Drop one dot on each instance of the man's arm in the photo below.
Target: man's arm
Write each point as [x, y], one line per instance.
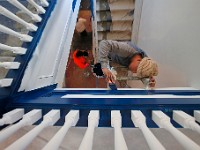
[108, 46]
[104, 49]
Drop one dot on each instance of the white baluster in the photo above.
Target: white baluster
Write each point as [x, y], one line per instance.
[93, 121]
[71, 119]
[10, 65]
[139, 120]
[44, 3]
[197, 115]
[5, 82]
[12, 16]
[39, 9]
[12, 116]
[163, 121]
[49, 119]
[186, 120]
[22, 37]
[28, 119]
[34, 17]
[15, 50]
[116, 123]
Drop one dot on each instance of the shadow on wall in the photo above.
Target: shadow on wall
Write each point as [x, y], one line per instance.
[171, 35]
[169, 76]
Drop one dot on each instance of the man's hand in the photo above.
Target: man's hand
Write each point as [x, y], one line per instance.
[152, 82]
[109, 75]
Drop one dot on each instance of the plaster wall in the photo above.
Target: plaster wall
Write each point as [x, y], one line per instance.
[169, 32]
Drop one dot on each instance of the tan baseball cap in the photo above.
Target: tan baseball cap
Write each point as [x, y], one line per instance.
[147, 68]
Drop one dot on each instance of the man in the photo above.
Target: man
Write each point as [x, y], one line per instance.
[126, 54]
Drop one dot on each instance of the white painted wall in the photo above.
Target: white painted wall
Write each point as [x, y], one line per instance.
[49, 60]
[169, 32]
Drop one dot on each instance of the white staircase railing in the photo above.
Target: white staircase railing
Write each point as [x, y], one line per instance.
[15, 50]
[93, 121]
[116, 123]
[14, 17]
[197, 115]
[163, 121]
[71, 119]
[10, 65]
[24, 37]
[49, 120]
[34, 17]
[6, 82]
[44, 3]
[12, 116]
[139, 120]
[28, 119]
[186, 120]
[39, 9]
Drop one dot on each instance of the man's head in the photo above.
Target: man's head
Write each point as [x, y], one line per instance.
[144, 67]
[135, 61]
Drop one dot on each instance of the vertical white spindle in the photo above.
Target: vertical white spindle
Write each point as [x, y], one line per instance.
[15, 50]
[197, 115]
[39, 9]
[163, 121]
[9, 31]
[6, 82]
[12, 16]
[186, 120]
[139, 120]
[28, 119]
[116, 123]
[93, 121]
[11, 116]
[71, 119]
[10, 65]
[34, 17]
[44, 3]
[49, 119]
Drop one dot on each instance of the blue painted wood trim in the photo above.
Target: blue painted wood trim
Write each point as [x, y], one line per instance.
[74, 4]
[92, 8]
[47, 99]
[54, 97]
